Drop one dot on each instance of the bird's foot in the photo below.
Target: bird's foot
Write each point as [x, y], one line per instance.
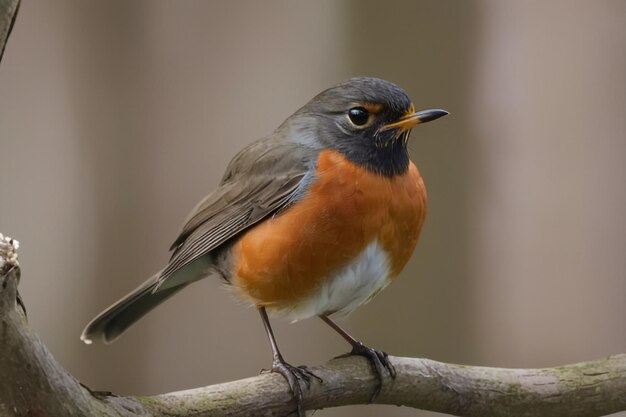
[380, 362]
[294, 376]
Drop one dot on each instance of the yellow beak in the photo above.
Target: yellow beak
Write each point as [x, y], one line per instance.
[413, 118]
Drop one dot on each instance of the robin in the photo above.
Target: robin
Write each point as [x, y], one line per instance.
[313, 220]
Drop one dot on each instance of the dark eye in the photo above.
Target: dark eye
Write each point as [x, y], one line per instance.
[358, 115]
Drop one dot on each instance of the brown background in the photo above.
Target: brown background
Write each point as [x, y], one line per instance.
[117, 116]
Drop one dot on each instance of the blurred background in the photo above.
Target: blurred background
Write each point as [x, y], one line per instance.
[117, 117]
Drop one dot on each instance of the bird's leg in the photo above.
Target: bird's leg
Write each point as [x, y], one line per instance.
[293, 374]
[378, 359]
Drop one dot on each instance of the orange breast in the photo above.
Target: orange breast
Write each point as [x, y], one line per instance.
[285, 258]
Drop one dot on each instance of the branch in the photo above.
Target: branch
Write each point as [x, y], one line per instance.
[8, 13]
[587, 389]
[32, 383]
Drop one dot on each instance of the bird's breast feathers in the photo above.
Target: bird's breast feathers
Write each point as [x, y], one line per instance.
[336, 247]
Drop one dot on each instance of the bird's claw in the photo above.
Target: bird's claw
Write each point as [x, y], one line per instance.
[379, 360]
[293, 375]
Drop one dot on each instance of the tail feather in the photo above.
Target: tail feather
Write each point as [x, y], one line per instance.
[117, 318]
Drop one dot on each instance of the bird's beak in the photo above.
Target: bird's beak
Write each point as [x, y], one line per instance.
[412, 118]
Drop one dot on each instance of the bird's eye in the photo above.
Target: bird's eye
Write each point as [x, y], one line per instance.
[358, 116]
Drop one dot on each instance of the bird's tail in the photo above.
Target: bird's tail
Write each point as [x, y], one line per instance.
[113, 321]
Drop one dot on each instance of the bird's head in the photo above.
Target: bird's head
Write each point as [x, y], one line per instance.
[366, 119]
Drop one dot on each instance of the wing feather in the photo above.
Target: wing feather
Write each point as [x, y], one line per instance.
[261, 180]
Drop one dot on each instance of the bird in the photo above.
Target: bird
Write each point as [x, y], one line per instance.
[312, 220]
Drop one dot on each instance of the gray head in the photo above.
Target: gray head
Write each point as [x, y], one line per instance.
[366, 119]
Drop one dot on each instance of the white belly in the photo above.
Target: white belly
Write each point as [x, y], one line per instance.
[346, 289]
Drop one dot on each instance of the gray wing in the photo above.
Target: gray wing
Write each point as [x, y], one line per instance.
[261, 180]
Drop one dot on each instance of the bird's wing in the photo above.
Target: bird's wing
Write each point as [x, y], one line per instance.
[261, 180]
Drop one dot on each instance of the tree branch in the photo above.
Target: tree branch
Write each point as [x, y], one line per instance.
[8, 13]
[32, 382]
